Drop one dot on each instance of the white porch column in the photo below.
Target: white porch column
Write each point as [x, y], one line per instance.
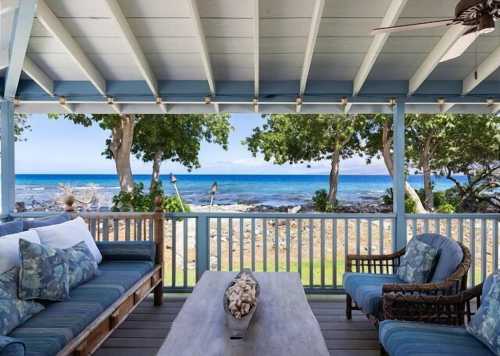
[398, 179]
[8, 181]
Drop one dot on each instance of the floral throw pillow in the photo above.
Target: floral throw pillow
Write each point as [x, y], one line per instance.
[44, 272]
[485, 324]
[417, 263]
[13, 311]
[82, 264]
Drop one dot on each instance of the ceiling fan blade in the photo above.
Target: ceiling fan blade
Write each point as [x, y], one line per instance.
[460, 46]
[414, 26]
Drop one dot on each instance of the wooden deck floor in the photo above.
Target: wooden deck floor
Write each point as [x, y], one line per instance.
[145, 330]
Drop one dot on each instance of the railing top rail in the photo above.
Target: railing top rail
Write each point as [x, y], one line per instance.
[96, 214]
[281, 215]
[454, 216]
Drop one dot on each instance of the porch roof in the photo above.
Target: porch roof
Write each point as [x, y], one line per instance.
[181, 56]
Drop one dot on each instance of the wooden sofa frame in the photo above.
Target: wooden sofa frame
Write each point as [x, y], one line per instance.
[94, 335]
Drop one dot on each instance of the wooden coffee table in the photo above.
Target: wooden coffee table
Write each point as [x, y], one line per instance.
[283, 323]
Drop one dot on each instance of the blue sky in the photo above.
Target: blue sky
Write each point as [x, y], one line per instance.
[59, 146]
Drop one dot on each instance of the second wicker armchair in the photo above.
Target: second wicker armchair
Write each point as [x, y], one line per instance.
[369, 278]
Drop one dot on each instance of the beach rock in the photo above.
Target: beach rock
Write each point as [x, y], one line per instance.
[295, 209]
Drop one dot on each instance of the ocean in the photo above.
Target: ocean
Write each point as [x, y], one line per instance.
[274, 190]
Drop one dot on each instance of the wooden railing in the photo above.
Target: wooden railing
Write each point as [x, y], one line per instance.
[312, 244]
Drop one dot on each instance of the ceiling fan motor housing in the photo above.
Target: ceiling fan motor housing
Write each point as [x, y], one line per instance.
[470, 12]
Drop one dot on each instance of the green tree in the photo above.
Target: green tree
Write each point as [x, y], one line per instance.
[311, 137]
[377, 138]
[119, 143]
[425, 134]
[472, 148]
[178, 138]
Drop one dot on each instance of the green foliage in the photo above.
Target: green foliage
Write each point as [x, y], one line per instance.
[321, 203]
[178, 137]
[410, 205]
[446, 208]
[139, 201]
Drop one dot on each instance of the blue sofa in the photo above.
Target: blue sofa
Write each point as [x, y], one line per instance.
[369, 278]
[129, 272]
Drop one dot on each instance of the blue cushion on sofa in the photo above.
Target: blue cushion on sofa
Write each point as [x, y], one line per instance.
[53, 220]
[49, 331]
[127, 250]
[12, 227]
[366, 289]
[11, 347]
[450, 255]
[417, 339]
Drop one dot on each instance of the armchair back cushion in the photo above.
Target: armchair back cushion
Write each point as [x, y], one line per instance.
[450, 255]
[417, 262]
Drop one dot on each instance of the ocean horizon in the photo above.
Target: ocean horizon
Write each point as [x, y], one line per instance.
[255, 189]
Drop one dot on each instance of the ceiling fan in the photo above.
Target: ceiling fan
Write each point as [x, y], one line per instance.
[478, 15]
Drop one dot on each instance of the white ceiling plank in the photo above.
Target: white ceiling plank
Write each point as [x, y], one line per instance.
[432, 60]
[319, 6]
[38, 76]
[133, 45]
[4, 59]
[390, 19]
[54, 26]
[256, 48]
[18, 46]
[202, 44]
[484, 70]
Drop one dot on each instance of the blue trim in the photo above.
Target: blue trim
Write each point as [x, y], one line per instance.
[277, 91]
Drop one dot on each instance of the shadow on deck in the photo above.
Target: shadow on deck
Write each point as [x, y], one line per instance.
[145, 330]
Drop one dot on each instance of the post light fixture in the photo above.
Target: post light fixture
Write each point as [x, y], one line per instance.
[344, 101]
[173, 180]
[213, 191]
[392, 102]
[207, 100]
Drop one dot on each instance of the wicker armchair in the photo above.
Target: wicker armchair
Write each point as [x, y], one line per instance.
[388, 264]
[436, 309]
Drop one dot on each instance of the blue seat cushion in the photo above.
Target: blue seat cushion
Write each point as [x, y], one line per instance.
[49, 331]
[450, 255]
[12, 227]
[52, 220]
[366, 289]
[415, 339]
[11, 347]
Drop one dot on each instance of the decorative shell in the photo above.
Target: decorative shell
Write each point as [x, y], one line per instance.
[242, 295]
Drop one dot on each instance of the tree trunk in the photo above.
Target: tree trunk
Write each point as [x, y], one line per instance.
[426, 171]
[155, 176]
[121, 143]
[334, 178]
[387, 156]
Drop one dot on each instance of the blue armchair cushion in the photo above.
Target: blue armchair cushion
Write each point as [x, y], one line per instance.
[128, 250]
[81, 263]
[366, 289]
[417, 263]
[11, 347]
[53, 220]
[44, 272]
[13, 311]
[485, 324]
[450, 255]
[12, 227]
[416, 339]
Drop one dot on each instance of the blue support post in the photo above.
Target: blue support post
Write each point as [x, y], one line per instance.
[8, 181]
[202, 245]
[398, 179]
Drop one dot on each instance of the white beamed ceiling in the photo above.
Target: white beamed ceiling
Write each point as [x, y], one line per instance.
[167, 37]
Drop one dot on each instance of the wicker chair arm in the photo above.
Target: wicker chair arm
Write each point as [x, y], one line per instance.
[440, 309]
[449, 286]
[382, 264]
